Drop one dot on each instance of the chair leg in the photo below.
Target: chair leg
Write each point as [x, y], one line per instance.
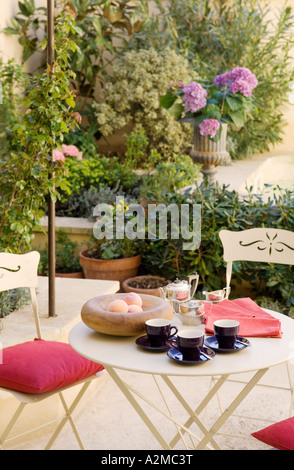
[68, 417]
[11, 423]
[291, 387]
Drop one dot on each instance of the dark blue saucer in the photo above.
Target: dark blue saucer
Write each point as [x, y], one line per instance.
[177, 356]
[212, 343]
[144, 343]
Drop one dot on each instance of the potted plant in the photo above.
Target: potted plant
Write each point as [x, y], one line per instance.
[67, 261]
[210, 107]
[147, 284]
[110, 261]
[113, 257]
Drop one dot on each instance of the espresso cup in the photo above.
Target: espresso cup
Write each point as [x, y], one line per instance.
[189, 342]
[159, 330]
[226, 332]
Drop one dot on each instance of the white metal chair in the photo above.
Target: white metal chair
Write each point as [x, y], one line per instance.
[20, 372]
[267, 245]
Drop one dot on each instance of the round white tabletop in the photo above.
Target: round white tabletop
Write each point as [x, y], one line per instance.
[123, 353]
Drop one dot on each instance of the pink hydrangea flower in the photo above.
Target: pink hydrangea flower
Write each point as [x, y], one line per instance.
[70, 150]
[209, 127]
[194, 97]
[241, 80]
[242, 86]
[58, 156]
[242, 73]
[222, 79]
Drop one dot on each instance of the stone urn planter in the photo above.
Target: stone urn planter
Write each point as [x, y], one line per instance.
[145, 284]
[208, 153]
[109, 269]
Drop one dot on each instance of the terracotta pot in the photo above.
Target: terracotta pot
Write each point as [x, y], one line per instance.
[127, 288]
[109, 269]
[79, 275]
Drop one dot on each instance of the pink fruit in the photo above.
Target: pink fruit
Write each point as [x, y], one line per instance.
[133, 299]
[118, 305]
[134, 309]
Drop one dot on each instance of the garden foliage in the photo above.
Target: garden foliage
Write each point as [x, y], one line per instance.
[225, 209]
[30, 175]
[132, 95]
[217, 36]
[119, 59]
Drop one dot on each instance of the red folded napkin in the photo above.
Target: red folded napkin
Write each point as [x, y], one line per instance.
[254, 321]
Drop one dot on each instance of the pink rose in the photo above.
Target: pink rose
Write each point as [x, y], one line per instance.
[58, 156]
[77, 117]
[70, 150]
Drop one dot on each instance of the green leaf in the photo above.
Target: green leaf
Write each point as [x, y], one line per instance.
[167, 100]
[238, 118]
[176, 110]
[10, 30]
[26, 8]
[64, 127]
[43, 44]
[70, 101]
[234, 103]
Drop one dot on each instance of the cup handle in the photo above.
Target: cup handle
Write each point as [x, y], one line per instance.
[175, 332]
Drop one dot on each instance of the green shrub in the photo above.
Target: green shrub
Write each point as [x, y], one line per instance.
[12, 300]
[29, 176]
[169, 176]
[67, 261]
[103, 27]
[132, 93]
[224, 209]
[217, 36]
[85, 179]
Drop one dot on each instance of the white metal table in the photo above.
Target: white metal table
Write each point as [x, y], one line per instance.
[121, 353]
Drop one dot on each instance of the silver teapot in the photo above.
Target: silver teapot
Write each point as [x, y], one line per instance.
[180, 291]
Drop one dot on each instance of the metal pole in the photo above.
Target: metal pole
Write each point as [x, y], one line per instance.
[51, 204]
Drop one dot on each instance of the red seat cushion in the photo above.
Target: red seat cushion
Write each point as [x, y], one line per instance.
[42, 366]
[279, 435]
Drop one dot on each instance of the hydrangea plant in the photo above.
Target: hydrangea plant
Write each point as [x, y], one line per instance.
[229, 99]
[131, 97]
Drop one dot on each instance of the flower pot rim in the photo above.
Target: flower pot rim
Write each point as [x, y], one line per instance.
[152, 290]
[82, 254]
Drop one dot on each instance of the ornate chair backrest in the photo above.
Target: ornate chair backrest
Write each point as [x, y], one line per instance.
[267, 245]
[18, 271]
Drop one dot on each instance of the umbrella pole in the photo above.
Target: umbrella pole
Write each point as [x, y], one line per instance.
[51, 208]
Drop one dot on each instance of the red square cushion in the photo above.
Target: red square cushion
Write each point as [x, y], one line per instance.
[279, 435]
[42, 366]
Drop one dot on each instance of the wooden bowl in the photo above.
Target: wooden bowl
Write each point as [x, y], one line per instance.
[96, 316]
